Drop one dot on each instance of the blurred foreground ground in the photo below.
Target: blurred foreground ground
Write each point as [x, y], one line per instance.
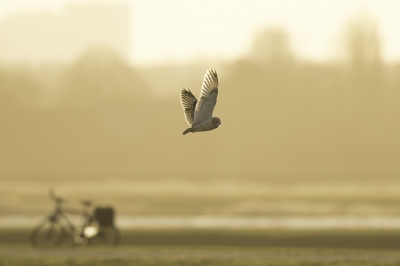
[215, 247]
[360, 239]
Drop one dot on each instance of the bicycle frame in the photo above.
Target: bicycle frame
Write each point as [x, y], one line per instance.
[56, 226]
[58, 221]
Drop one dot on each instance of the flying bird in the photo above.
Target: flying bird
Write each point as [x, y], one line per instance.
[198, 114]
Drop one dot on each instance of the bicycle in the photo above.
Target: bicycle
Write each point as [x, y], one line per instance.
[56, 228]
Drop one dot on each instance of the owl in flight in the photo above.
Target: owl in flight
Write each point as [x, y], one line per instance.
[198, 114]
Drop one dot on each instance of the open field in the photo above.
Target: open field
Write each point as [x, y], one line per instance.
[215, 247]
[275, 199]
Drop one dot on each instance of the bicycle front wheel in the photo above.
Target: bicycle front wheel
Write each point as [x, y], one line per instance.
[49, 233]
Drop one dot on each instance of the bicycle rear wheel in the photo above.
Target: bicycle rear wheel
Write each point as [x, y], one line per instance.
[49, 233]
[107, 235]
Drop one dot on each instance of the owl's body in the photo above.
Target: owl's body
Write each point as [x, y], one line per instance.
[198, 114]
[204, 126]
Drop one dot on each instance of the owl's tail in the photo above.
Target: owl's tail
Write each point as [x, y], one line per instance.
[187, 131]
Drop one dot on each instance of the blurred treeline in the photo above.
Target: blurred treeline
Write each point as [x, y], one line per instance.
[100, 116]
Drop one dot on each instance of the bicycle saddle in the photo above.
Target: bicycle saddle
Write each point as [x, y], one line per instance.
[86, 202]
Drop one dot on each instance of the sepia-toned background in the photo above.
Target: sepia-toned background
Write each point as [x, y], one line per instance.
[309, 102]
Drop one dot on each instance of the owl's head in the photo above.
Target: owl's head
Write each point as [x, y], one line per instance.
[216, 121]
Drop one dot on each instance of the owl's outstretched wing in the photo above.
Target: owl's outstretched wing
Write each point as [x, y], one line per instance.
[208, 97]
[188, 102]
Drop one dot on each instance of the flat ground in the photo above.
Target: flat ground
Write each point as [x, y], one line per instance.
[202, 255]
[214, 247]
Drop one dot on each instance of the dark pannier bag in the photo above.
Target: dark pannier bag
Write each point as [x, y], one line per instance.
[104, 215]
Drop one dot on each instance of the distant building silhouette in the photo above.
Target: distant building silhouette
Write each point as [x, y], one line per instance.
[363, 45]
[38, 37]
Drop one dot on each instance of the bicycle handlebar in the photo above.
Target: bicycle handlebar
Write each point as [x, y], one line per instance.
[54, 197]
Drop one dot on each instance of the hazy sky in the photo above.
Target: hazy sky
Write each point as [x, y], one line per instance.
[181, 30]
